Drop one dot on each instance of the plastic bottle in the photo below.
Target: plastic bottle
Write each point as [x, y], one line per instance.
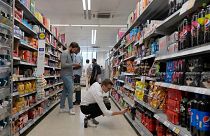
[194, 30]
[201, 20]
[207, 25]
[204, 117]
[183, 111]
[194, 116]
[186, 34]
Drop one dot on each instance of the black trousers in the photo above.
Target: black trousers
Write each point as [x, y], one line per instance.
[78, 93]
[93, 110]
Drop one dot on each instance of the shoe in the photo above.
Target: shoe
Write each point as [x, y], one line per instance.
[63, 110]
[91, 124]
[85, 122]
[72, 112]
[76, 103]
[95, 121]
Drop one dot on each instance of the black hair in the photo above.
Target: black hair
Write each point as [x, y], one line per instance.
[87, 61]
[74, 45]
[107, 82]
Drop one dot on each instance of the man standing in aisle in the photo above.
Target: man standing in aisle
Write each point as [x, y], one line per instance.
[77, 76]
[67, 77]
[87, 73]
[92, 104]
[96, 71]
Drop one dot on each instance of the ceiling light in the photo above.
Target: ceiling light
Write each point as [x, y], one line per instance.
[113, 26]
[85, 25]
[89, 4]
[93, 38]
[84, 4]
[61, 25]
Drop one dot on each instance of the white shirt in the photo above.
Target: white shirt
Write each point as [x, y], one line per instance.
[78, 60]
[86, 70]
[95, 95]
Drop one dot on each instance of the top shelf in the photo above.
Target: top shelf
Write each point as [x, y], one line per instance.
[155, 9]
[28, 14]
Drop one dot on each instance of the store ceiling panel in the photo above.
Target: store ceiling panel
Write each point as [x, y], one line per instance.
[71, 12]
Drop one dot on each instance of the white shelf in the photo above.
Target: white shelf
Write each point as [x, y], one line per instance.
[146, 78]
[148, 57]
[128, 44]
[53, 60]
[49, 86]
[121, 81]
[22, 95]
[58, 84]
[16, 58]
[50, 76]
[175, 128]
[128, 87]
[26, 64]
[24, 45]
[146, 105]
[120, 93]
[24, 79]
[197, 90]
[128, 101]
[129, 58]
[36, 119]
[128, 74]
[187, 52]
[16, 37]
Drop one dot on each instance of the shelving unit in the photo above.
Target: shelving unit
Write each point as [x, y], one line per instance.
[24, 68]
[167, 25]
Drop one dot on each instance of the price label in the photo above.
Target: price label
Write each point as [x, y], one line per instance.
[157, 117]
[177, 131]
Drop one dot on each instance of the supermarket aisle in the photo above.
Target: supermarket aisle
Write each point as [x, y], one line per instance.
[63, 124]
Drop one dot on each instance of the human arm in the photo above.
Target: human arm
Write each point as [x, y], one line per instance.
[64, 57]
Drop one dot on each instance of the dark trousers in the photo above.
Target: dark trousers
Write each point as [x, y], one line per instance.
[92, 110]
[78, 92]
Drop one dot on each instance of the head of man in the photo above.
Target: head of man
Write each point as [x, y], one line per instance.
[78, 50]
[106, 85]
[94, 61]
[73, 47]
[87, 61]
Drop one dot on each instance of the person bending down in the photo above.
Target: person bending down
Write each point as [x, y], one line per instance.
[92, 104]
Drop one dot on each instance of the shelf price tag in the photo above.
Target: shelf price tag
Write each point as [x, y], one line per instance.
[176, 130]
[166, 123]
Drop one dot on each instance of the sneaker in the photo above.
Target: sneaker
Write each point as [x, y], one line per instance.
[95, 121]
[76, 103]
[63, 110]
[72, 112]
[91, 124]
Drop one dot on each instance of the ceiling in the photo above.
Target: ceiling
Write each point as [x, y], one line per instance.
[71, 12]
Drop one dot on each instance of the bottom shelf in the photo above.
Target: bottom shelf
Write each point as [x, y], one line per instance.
[140, 128]
[35, 120]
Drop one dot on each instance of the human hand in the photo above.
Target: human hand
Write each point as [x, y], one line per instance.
[124, 111]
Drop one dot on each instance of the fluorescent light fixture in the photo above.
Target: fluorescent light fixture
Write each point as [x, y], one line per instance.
[93, 38]
[113, 26]
[84, 4]
[61, 25]
[89, 4]
[85, 25]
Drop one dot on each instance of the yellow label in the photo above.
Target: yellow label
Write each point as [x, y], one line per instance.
[207, 16]
[201, 21]
[177, 131]
[41, 36]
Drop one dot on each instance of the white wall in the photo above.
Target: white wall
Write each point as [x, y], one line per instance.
[101, 56]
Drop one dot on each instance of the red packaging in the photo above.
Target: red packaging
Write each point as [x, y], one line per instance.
[173, 105]
[174, 94]
[161, 130]
[31, 114]
[173, 117]
[151, 124]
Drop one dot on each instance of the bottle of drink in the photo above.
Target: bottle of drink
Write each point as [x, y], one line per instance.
[183, 111]
[194, 30]
[204, 117]
[207, 25]
[180, 35]
[189, 112]
[194, 116]
[186, 34]
[201, 20]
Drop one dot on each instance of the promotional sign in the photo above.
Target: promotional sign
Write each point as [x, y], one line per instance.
[41, 54]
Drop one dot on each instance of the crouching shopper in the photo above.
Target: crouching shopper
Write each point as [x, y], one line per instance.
[93, 103]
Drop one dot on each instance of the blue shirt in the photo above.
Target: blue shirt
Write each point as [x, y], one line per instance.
[78, 60]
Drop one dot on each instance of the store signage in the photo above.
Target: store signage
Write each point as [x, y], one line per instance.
[41, 54]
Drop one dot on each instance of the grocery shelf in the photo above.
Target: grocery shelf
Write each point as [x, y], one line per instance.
[150, 35]
[49, 67]
[35, 120]
[192, 89]
[57, 68]
[153, 10]
[22, 95]
[115, 88]
[53, 60]
[53, 55]
[187, 52]
[148, 57]
[120, 93]
[16, 37]
[58, 83]
[131, 57]
[25, 28]
[121, 81]
[143, 130]
[116, 103]
[49, 77]
[16, 58]
[128, 74]
[25, 63]
[49, 86]
[146, 78]
[24, 79]
[128, 101]
[175, 128]
[24, 45]
[128, 87]
[146, 105]
[128, 44]
[47, 54]
[115, 78]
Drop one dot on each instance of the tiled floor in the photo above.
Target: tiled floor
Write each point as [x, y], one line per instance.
[63, 124]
